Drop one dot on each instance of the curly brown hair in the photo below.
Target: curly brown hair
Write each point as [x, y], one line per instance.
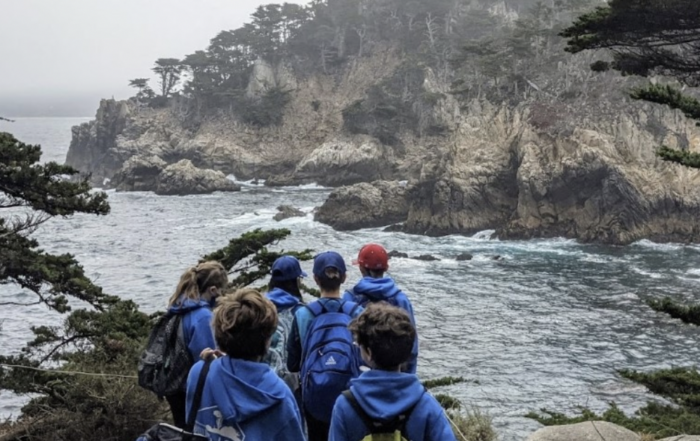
[387, 331]
[244, 323]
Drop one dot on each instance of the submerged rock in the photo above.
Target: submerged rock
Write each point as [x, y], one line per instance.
[464, 256]
[397, 254]
[364, 205]
[184, 178]
[587, 431]
[286, 212]
[426, 258]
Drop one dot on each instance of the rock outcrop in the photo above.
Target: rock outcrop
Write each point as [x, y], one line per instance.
[184, 178]
[287, 212]
[365, 205]
[587, 431]
[139, 173]
[598, 180]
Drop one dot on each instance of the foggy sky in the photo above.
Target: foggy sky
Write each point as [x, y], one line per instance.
[59, 57]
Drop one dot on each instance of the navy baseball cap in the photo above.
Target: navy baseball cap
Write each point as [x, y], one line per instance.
[286, 268]
[328, 260]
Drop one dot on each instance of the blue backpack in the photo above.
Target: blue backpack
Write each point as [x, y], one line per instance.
[330, 360]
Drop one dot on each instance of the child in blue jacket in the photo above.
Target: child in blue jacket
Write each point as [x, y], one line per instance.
[194, 299]
[243, 398]
[384, 394]
[375, 286]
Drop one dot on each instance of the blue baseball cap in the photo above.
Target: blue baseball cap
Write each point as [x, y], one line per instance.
[327, 260]
[286, 268]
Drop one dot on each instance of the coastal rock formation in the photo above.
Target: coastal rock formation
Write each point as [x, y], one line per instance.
[364, 206]
[184, 178]
[597, 180]
[587, 431]
[286, 212]
[139, 173]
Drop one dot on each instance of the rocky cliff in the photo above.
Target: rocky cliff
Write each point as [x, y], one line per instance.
[546, 148]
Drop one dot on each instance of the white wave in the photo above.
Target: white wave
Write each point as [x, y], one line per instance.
[251, 183]
[484, 235]
[645, 243]
[646, 273]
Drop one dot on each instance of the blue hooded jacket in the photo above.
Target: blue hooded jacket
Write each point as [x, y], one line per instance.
[196, 324]
[244, 400]
[282, 299]
[384, 396]
[370, 290]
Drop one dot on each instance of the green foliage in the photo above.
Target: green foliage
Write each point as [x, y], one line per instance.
[267, 110]
[444, 381]
[169, 70]
[472, 425]
[249, 258]
[38, 192]
[648, 38]
[688, 314]
[448, 402]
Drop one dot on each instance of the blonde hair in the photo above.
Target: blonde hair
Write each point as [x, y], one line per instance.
[244, 323]
[196, 280]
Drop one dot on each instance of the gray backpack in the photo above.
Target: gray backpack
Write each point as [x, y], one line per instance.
[277, 354]
[165, 363]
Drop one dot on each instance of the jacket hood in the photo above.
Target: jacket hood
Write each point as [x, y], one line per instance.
[385, 395]
[282, 299]
[377, 289]
[190, 305]
[243, 389]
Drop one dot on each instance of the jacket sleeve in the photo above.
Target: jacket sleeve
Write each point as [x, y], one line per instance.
[411, 365]
[192, 380]
[294, 348]
[201, 334]
[338, 431]
[292, 431]
[439, 428]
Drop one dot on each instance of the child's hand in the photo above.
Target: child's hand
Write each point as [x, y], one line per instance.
[211, 354]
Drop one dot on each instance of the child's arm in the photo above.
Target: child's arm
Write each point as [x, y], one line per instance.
[201, 334]
[338, 431]
[439, 427]
[294, 348]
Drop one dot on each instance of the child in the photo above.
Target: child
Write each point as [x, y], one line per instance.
[194, 298]
[373, 261]
[385, 395]
[285, 293]
[321, 346]
[242, 397]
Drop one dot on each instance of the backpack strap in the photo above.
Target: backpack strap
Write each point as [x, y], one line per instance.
[197, 400]
[350, 308]
[399, 422]
[316, 308]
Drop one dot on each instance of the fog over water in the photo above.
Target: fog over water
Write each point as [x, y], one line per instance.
[546, 326]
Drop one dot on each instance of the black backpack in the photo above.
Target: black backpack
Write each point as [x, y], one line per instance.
[165, 363]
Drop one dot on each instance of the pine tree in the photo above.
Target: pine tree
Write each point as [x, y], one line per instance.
[648, 38]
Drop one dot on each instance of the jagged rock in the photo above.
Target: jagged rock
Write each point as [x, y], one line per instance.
[286, 212]
[139, 173]
[587, 431]
[92, 144]
[682, 438]
[597, 181]
[364, 206]
[347, 161]
[184, 178]
[496, 257]
[426, 258]
[464, 256]
[398, 254]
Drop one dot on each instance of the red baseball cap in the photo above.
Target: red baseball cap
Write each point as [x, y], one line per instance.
[373, 257]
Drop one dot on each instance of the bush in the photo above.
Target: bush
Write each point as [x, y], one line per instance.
[267, 110]
[472, 426]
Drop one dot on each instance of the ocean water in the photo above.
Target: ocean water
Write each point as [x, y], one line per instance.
[547, 325]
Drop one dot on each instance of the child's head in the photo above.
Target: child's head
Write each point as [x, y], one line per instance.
[329, 271]
[373, 261]
[244, 323]
[285, 274]
[385, 335]
[205, 281]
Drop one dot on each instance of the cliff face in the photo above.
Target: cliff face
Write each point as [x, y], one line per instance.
[600, 181]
